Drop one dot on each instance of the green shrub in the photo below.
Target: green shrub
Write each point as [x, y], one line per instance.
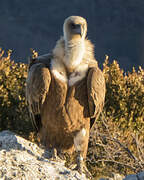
[13, 109]
[116, 141]
[125, 96]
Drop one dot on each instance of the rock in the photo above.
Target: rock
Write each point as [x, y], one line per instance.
[131, 177]
[22, 159]
[139, 176]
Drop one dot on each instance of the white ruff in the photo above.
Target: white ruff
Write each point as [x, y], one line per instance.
[79, 57]
[79, 139]
[75, 79]
[78, 75]
[74, 54]
[58, 71]
[59, 75]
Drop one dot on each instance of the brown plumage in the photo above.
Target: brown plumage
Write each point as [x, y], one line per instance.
[66, 91]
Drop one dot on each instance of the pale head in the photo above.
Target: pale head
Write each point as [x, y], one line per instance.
[75, 27]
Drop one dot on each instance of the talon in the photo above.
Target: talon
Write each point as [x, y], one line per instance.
[83, 170]
[56, 156]
[62, 156]
[54, 153]
[81, 167]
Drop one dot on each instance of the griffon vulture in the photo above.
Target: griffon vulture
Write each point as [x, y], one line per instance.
[66, 91]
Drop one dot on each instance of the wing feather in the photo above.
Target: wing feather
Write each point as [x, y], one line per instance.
[37, 86]
[96, 92]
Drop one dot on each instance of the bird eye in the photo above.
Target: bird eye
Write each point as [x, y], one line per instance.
[73, 25]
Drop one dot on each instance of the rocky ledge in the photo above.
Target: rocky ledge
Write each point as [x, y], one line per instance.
[21, 159]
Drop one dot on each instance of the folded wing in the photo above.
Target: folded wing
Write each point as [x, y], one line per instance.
[96, 92]
[37, 87]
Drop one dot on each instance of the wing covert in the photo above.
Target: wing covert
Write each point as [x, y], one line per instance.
[37, 86]
[96, 92]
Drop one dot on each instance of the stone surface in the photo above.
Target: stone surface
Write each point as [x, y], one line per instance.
[20, 159]
[131, 177]
[139, 176]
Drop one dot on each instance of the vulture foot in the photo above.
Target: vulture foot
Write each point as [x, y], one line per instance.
[57, 156]
[81, 167]
[54, 155]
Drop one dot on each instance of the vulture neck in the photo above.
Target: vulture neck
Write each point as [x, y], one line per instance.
[74, 52]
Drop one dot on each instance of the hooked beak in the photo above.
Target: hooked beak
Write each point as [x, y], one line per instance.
[78, 30]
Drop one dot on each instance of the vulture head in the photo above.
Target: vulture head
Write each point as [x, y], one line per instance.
[74, 33]
[75, 27]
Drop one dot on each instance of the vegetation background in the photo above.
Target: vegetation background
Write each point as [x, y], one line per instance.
[116, 27]
[117, 138]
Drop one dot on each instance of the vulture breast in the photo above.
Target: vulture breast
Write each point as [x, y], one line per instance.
[64, 113]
